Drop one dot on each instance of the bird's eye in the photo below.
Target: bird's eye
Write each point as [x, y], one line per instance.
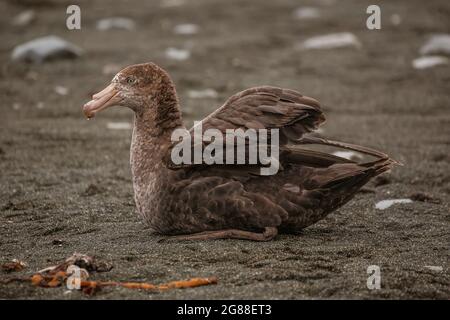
[131, 80]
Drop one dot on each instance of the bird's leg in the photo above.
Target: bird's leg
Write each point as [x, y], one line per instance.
[268, 234]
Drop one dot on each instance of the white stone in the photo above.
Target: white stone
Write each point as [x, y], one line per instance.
[428, 62]
[116, 23]
[384, 204]
[331, 41]
[437, 44]
[62, 91]
[45, 48]
[304, 13]
[177, 54]
[186, 29]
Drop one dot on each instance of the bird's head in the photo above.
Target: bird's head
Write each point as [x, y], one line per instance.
[133, 87]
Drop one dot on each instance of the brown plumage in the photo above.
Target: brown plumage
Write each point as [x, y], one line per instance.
[232, 201]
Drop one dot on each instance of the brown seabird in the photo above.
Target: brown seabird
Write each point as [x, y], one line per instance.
[218, 201]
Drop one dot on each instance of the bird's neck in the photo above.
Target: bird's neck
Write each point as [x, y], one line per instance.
[151, 138]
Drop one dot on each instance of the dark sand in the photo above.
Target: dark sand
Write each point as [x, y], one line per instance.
[50, 156]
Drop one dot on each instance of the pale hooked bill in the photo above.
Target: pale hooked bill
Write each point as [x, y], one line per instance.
[384, 204]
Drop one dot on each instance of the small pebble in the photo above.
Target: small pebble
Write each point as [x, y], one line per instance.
[177, 54]
[186, 29]
[331, 41]
[384, 204]
[116, 23]
[428, 62]
[62, 91]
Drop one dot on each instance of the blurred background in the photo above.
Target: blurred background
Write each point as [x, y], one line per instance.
[68, 179]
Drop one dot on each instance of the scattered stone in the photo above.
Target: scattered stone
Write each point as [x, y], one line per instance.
[186, 29]
[16, 106]
[384, 204]
[92, 190]
[381, 180]
[45, 49]
[436, 44]
[350, 155]
[435, 268]
[331, 41]
[24, 18]
[13, 266]
[424, 197]
[118, 125]
[428, 62]
[201, 94]
[304, 13]
[177, 54]
[40, 105]
[62, 91]
[116, 23]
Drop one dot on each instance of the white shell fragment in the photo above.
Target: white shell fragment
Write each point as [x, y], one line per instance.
[437, 44]
[186, 29]
[177, 54]
[331, 41]
[429, 61]
[44, 49]
[201, 94]
[118, 125]
[384, 204]
[116, 23]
